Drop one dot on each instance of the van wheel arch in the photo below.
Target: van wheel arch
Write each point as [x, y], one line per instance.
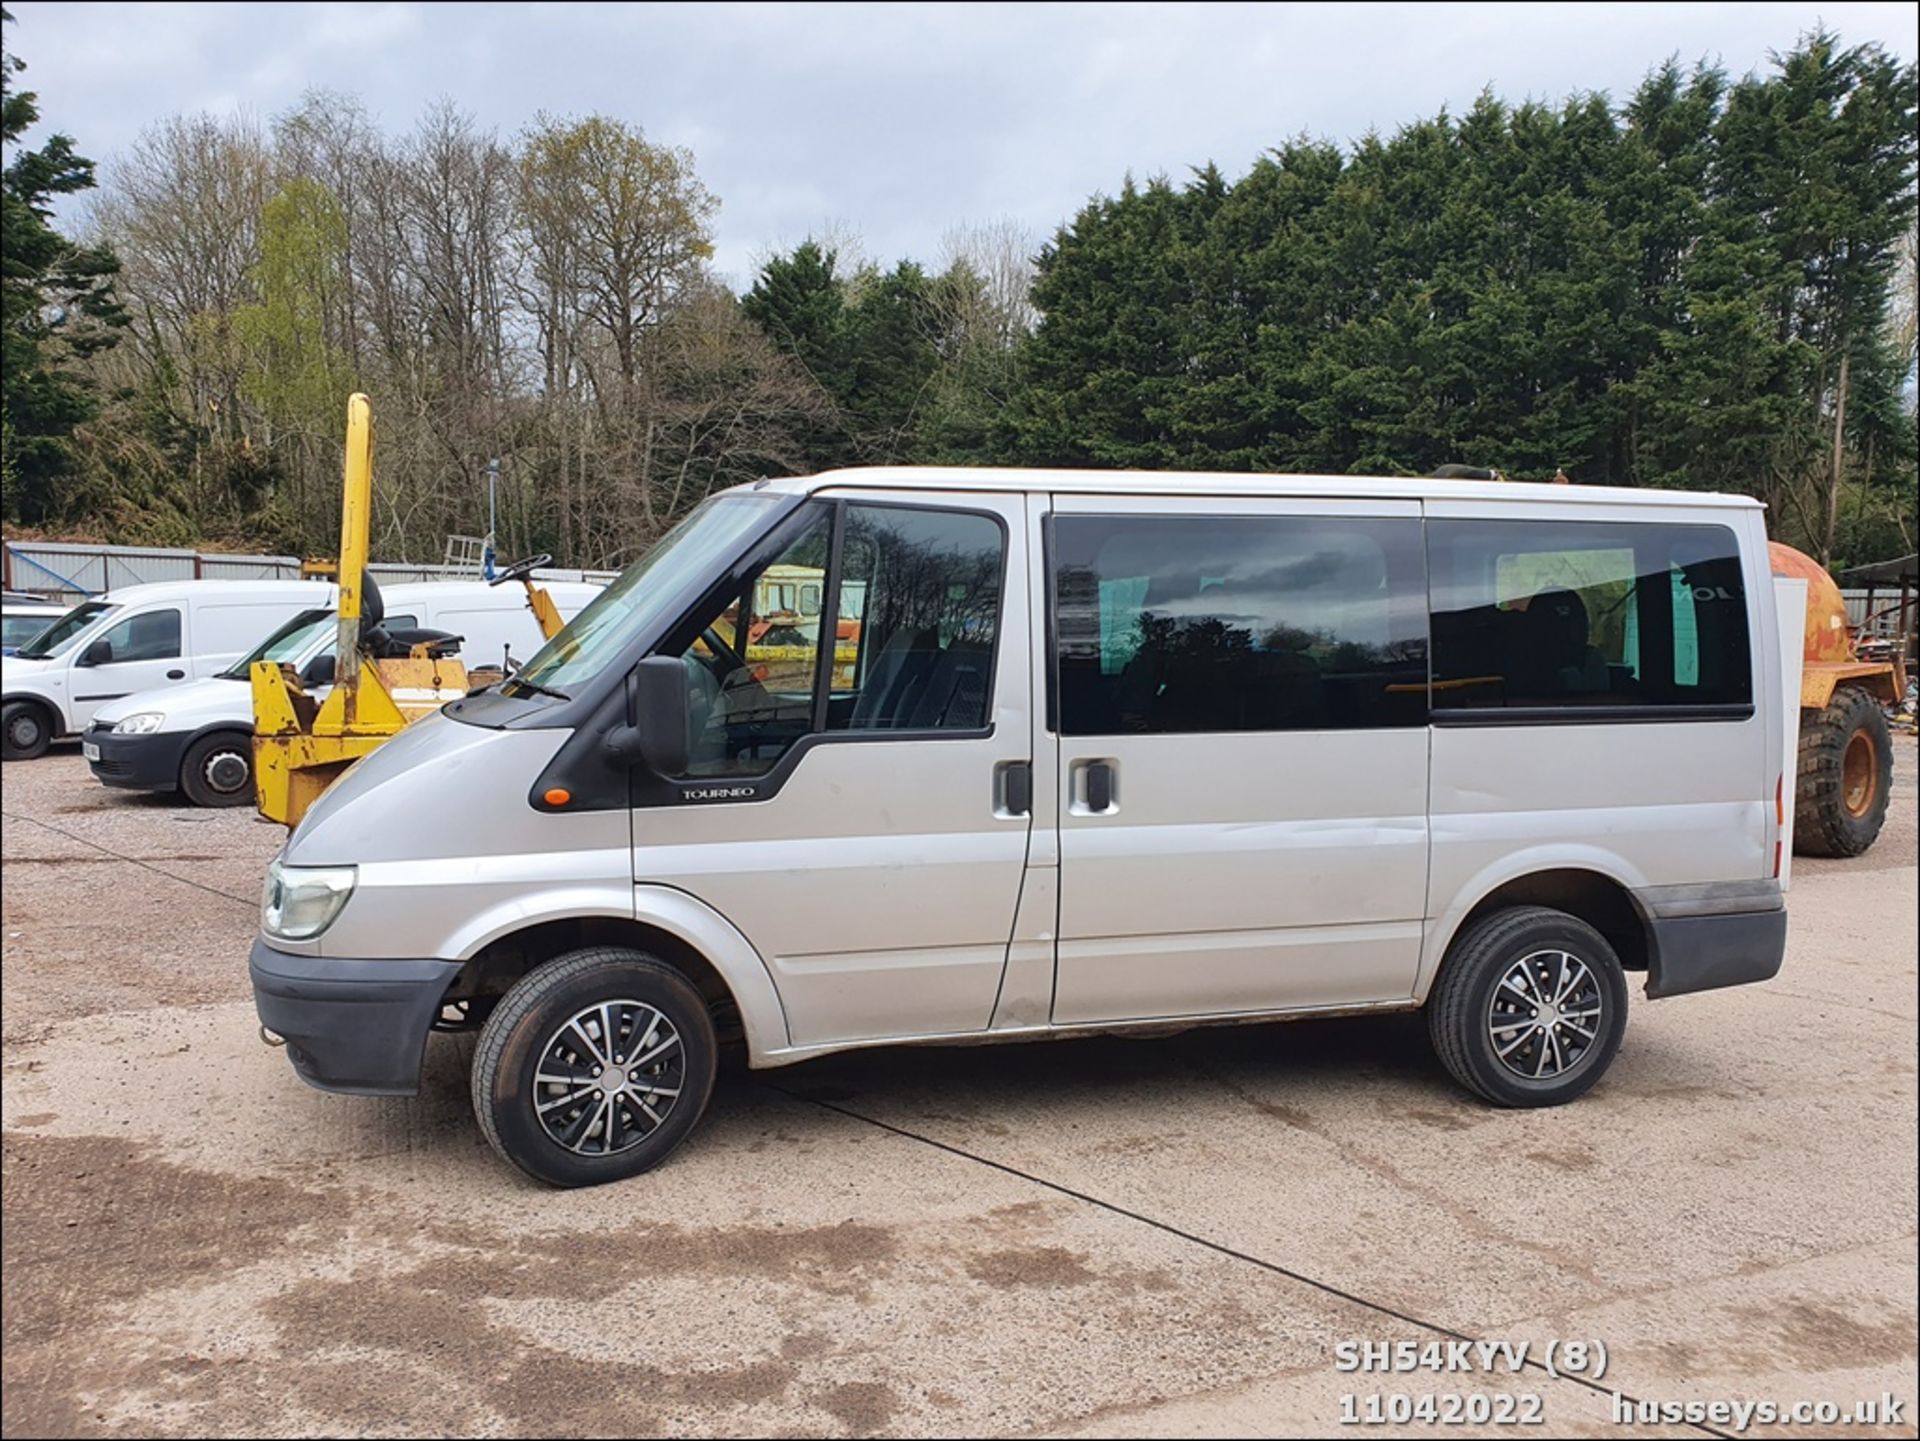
[501, 963]
[1590, 896]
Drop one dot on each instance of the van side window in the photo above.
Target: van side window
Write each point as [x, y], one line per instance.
[752, 663]
[1587, 613]
[151, 635]
[1185, 625]
[919, 611]
[912, 618]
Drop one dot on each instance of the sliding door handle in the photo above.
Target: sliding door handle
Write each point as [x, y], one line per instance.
[1099, 787]
[1093, 787]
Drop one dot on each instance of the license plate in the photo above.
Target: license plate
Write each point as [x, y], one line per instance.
[90, 751]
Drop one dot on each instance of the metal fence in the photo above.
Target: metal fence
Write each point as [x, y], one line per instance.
[62, 570]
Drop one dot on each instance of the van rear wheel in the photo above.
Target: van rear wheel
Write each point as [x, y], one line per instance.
[594, 1067]
[1529, 1008]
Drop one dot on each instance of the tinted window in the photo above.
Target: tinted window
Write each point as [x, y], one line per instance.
[919, 606]
[1177, 625]
[153, 635]
[1541, 613]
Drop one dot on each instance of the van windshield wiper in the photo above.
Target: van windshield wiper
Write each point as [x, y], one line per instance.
[536, 687]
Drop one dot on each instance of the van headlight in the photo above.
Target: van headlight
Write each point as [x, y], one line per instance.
[142, 723]
[300, 902]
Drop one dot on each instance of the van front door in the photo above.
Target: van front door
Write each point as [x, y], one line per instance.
[1240, 702]
[139, 652]
[851, 803]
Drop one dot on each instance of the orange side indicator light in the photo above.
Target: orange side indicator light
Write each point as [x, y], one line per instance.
[558, 796]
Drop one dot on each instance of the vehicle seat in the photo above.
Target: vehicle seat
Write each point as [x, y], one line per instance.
[384, 644]
[954, 696]
[894, 683]
[1553, 654]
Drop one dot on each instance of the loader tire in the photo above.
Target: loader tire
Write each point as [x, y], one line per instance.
[1846, 774]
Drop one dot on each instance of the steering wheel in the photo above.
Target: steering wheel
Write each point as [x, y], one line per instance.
[522, 568]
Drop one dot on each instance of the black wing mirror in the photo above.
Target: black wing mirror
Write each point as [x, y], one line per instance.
[657, 701]
[318, 672]
[99, 653]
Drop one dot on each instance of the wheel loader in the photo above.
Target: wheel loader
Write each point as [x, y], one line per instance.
[1846, 746]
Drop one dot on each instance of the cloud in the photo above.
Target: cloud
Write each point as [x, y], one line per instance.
[899, 121]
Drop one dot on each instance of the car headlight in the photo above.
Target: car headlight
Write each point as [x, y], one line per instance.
[300, 902]
[142, 723]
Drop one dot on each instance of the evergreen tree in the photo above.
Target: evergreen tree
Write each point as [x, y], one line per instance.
[57, 307]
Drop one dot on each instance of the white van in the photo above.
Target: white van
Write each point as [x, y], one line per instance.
[1114, 751]
[136, 638]
[198, 737]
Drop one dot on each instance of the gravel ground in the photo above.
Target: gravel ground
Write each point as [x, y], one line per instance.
[1092, 1237]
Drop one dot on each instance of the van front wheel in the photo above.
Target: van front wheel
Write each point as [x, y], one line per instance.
[26, 731]
[594, 1067]
[1529, 1008]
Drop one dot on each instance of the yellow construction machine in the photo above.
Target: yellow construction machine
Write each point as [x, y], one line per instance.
[300, 744]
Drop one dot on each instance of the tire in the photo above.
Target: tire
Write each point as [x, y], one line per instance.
[1846, 775]
[532, 1033]
[26, 730]
[1472, 1017]
[208, 776]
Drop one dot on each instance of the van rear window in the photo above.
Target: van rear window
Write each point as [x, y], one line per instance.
[1578, 615]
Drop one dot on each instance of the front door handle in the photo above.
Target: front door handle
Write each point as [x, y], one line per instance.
[1013, 788]
[176, 675]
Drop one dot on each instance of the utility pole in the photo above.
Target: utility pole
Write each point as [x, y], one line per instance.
[493, 488]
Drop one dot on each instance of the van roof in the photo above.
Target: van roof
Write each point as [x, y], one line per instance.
[1190, 482]
[264, 590]
[316, 592]
[509, 595]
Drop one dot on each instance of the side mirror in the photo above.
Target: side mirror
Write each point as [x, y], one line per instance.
[99, 653]
[657, 701]
[318, 672]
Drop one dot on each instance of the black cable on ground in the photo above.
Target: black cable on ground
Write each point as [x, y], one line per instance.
[1215, 1246]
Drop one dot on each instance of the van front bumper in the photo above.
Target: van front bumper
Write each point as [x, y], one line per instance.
[148, 762]
[1703, 937]
[354, 1026]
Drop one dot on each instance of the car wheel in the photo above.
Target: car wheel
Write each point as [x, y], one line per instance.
[1529, 1008]
[594, 1067]
[25, 731]
[218, 770]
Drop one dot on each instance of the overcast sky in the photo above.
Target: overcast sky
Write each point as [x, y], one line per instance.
[895, 122]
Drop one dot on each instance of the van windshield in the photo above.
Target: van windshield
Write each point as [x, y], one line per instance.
[709, 537]
[59, 637]
[285, 645]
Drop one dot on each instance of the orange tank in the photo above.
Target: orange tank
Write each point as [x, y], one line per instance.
[1827, 636]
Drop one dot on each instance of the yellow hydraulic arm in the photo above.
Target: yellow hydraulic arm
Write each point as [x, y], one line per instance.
[299, 746]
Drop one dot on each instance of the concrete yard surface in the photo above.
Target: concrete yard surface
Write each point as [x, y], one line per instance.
[1095, 1237]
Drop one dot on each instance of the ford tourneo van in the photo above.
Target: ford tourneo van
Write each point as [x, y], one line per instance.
[1054, 752]
[198, 737]
[136, 638]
